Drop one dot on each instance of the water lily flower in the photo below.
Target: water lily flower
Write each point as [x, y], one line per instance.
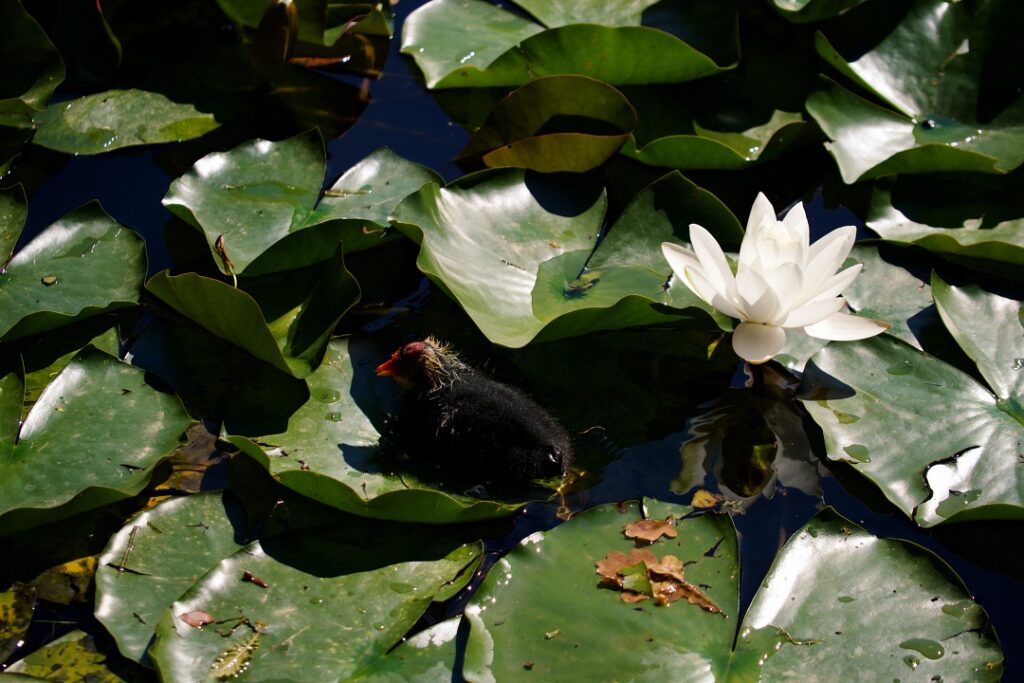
[782, 281]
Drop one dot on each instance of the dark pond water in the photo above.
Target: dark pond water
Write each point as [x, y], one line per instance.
[402, 115]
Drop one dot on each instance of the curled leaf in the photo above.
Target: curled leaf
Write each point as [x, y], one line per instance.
[650, 530]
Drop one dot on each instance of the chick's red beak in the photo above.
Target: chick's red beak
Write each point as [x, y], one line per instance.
[388, 368]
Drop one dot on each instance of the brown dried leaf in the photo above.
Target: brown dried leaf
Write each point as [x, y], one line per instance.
[615, 561]
[197, 619]
[632, 597]
[650, 530]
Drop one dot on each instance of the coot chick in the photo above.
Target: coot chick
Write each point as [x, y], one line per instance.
[472, 429]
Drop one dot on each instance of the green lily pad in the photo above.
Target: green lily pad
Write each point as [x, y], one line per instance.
[93, 437]
[935, 95]
[869, 141]
[118, 118]
[930, 437]
[459, 44]
[546, 591]
[72, 657]
[541, 608]
[156, 557]
[13, 212]
[285, 321]
[428, 656]
[319, 605]
[254, 202]
[329, 451]
[835, 592]
[82, 265]
[26, 89]
[320, 22]
[887, 292]
[554, 123]
[530, 241]
[966, 220]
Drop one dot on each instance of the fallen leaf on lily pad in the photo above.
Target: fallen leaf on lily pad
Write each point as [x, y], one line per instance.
[197, 618]
[639, 575]
[650, 530]
[704, 499]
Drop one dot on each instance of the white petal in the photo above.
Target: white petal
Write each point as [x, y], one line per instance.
[712, 260]
[838, 283]
[811, 313]
[757, 343]
[845, 327]
[695, 279]
[760, 304]
[726, 306]
[796, 225]
[762, 214]
[679, 258]
[787, 283]
[826, 255]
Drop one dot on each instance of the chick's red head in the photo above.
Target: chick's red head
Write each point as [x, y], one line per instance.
[406, 364]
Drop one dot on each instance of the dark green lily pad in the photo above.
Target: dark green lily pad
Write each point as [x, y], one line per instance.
[935, 95]
[93, 437]
[966, 220]
[254, 202]
[26, 89]
[835, 592]
[82, 265]
[547, 592]
[554, 123]
[118, 118]
[13, 212]
[811, 617]
[249, 198]
[287, 319]
[156, 557]
[329, 451]
[930, 437]
[900, 144]
[473, 44]
[428, 656]
[320, 605]
[529, 240]
[320, 22]
[72, 657]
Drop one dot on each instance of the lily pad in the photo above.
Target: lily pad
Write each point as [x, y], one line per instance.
[320, 22]
[554, 123]
[93, 437]
[932, 438]
[460, 44]
[329, 451]
[542, 590]
[974, 223]
[253, 202]
[427, 656]
[288, 322]
[811, 617]
[118, 118]
[156, 557]
[530, 243]
[82, 265]
[26, 89]
[72, 657]
[935, 95]
[13, 212]
[321, 597]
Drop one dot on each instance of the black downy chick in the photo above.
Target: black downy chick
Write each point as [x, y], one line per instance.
[473, 429]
